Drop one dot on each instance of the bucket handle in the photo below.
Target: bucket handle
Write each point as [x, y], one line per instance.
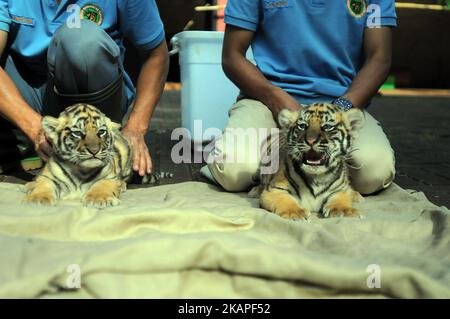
[175, 46]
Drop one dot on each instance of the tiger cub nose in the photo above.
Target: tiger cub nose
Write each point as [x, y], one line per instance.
[93, 149]
[311, 141]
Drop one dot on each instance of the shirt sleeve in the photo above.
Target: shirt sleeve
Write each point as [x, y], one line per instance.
[4, 16]
[244, 14]
[141, 23]
[382, 13]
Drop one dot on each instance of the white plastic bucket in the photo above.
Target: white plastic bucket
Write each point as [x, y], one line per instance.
[206, 93]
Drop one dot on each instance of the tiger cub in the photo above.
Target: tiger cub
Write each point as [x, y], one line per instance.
[91, 159]
[315, 144]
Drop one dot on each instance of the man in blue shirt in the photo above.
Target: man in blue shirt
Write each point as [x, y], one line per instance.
[60, 52]
[306, 51]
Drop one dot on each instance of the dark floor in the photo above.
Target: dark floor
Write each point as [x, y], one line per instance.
[419, 131]
[418, 128]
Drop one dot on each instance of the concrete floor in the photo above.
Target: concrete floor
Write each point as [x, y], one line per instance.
[419, 131]
[418, 128]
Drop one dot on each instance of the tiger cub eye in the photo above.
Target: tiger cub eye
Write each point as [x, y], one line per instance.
[328, 127]
[77, 134]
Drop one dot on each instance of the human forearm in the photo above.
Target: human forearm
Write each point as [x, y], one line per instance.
[368, 81]
[378, 51]
[247, 77]
[3, 40]
[16, 109]
[254, 85]
[149, 88]
[12, 104]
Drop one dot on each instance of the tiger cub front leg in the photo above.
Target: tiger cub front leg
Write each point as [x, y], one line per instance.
[340, 205]
[41, 191]
[104, 193]
[278, 198]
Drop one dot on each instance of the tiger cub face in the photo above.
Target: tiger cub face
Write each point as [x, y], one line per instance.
[82, 136]
[319, 137]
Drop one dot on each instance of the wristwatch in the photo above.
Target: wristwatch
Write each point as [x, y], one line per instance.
[343, 103]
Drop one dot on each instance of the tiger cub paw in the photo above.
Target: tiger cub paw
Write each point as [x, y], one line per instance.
[40, 197]
[341, 212]
[100, 199]
[292, 212]
[255, 192]
[357, 197]
[29, 187]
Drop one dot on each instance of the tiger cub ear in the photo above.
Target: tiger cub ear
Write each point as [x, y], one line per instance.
[287, 117]
[113, 126]
[355, 119]
[50, 125]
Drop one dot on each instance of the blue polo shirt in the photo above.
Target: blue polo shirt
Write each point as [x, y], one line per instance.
[32, 23]
[310, 48]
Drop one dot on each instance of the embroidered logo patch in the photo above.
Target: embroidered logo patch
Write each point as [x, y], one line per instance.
[93, 13]
[274, 4]
[357, 8]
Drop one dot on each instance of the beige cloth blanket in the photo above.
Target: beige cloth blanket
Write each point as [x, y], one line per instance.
[193, 240]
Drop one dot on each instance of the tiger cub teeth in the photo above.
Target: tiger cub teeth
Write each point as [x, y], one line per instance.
[313, 162]
[314, 158]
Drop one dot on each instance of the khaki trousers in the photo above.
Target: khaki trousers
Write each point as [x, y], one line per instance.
[234, 162]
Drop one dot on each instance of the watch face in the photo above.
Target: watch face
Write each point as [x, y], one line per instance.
[344, 103]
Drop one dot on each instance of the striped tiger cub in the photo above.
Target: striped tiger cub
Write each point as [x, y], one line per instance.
[91, 159]
[315, 144]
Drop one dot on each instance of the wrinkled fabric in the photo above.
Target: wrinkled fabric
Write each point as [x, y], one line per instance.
[192, 240]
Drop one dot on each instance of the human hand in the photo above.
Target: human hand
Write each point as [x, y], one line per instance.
[42, 145]
[37, 136]
[142, 161]
[281, 100]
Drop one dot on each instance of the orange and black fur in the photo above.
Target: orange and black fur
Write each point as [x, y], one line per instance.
[91, 159]
[315, 145]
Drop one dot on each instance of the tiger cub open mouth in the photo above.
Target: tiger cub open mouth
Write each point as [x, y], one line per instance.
[314, 158]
